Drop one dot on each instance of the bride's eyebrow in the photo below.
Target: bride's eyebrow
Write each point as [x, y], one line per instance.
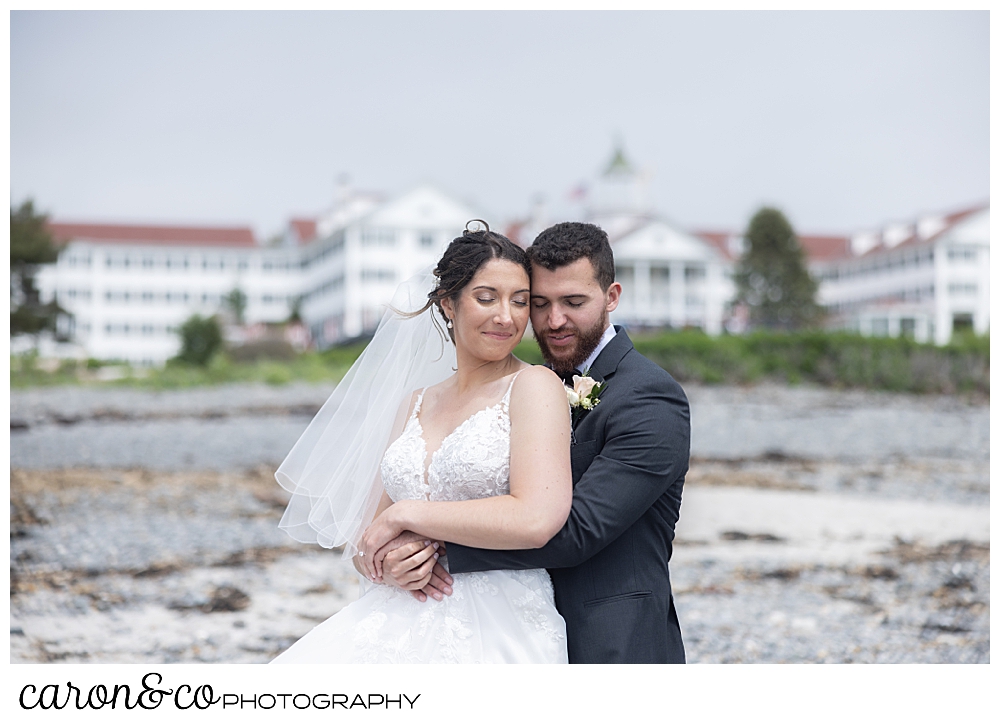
[493, 289]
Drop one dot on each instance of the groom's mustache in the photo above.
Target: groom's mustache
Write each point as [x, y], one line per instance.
[560, 330]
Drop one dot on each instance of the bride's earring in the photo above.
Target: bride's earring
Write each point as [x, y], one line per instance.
[450, 325]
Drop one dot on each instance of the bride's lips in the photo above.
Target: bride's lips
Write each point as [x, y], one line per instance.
[498, 335]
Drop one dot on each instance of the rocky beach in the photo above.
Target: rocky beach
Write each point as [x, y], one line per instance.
[817, 526]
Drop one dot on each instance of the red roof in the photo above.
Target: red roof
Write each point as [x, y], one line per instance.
[230, 236]
[718, 239]
[956, 216]
[305, 229]
[817, 248]
[948, 221]
[826, 248]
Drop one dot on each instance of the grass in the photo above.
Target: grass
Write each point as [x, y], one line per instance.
[329, 366]
[830, 359]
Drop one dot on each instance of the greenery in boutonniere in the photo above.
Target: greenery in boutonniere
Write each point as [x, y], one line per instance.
[583, 395]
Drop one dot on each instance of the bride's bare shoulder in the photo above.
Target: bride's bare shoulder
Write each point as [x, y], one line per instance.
[536, 379]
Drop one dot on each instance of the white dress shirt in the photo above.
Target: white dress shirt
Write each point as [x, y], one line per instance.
[608, 335]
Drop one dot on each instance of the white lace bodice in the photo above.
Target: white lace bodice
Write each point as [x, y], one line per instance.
[491, 616]
[473, 461]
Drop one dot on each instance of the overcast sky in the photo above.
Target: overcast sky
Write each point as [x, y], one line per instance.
[844, 120]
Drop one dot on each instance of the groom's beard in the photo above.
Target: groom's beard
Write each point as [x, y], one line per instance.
[586, 342]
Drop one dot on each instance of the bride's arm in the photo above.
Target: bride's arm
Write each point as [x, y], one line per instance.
[540, 482]
[384, 502]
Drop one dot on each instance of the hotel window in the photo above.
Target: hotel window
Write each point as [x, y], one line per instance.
[148, 262]
[959, 290]
[427, 240]
[378, 275]
[962, 253]
[378, 237]
[147, 297]
[694, 272]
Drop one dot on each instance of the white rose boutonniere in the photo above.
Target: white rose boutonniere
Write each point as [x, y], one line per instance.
[583, 395]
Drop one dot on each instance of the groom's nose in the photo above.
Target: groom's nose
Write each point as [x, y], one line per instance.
[556, 318]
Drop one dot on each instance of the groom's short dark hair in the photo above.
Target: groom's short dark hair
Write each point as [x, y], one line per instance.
[564, 243]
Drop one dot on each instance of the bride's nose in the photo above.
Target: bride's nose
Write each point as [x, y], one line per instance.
[502, 316]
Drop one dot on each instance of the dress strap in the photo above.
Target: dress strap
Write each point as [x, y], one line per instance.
[505, 401]
[416, 407]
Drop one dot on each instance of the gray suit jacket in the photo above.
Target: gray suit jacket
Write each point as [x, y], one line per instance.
[609, 562]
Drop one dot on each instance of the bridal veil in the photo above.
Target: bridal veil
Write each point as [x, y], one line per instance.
[332, 471]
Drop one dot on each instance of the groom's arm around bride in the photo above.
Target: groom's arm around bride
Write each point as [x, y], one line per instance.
[609, 561]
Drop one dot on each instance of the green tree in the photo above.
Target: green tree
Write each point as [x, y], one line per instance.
[295, 310]
[31, 245]
[772, 279]
[236, 301]
[201, 338]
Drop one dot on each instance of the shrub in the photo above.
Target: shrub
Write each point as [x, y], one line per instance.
[277, 349]
[837, 359]
[201, 338]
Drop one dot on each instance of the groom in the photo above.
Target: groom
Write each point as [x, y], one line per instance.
[629, 456]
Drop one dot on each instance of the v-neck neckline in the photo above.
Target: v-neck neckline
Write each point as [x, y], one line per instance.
[428, 460]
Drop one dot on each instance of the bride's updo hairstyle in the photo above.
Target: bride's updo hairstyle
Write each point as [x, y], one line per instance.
[464, 257]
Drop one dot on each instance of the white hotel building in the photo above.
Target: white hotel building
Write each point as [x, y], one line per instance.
[130, 287]
[922, 279]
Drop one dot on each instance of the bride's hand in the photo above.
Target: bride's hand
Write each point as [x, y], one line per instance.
[383, 529]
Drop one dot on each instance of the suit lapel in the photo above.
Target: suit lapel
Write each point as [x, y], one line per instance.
[607, 361]
[604, 368]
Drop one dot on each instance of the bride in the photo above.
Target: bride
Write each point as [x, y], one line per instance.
[476, 451]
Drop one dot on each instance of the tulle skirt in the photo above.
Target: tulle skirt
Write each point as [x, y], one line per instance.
[492, 617]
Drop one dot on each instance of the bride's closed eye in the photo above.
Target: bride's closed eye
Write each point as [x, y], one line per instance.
[490, 300]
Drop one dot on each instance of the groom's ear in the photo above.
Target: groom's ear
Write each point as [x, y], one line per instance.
[613, 296]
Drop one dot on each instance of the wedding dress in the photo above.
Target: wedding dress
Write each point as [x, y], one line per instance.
[492, 616]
